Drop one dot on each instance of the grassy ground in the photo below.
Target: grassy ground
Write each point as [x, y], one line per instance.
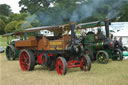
[3, 41]
[113, 73]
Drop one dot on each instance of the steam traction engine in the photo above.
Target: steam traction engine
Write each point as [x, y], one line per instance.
[11, 52]
[98, 46]
[60, 51]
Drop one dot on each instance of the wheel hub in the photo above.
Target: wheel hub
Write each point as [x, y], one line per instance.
[59, 66]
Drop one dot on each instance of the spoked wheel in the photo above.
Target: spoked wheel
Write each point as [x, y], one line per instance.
[102, 57]
[86, 63]
[27, 60]
[118, 55]
[61, 66]
[10, 52]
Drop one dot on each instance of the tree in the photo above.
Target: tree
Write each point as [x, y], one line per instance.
[32, 19]
[17, 17]
[2, 26]
[4, 18]
[5, 9]
[20, 26]
[124, 13]
[33, 6]
[11, 27]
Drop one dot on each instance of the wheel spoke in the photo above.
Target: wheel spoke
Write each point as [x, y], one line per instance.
[61, 66]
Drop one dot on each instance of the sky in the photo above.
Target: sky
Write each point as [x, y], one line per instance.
[13, 4]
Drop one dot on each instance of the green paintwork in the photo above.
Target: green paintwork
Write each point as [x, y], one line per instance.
[95, 46]
[15, 50]
[91, 24]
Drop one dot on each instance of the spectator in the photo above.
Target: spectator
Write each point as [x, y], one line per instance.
[100, 35]
[116, 44]
[120, 43]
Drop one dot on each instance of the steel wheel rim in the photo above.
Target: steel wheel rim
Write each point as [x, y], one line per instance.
[118, 55]
[84, 66]
[59, 66]
[9, 53]
[102, 58]
[24, 61]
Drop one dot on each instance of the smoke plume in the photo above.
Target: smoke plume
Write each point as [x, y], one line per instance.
[83, 11]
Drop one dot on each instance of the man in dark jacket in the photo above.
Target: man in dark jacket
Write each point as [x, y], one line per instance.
[116, 43]
[120, 43]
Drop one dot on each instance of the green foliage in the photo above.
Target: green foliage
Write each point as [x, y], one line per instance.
[33, 6]
[20, 26]
[33, 20]
[17, 17]
[2, 26]
[4, 18]
[5, 9]
[11, 27]
[124, 13]
[35, 23]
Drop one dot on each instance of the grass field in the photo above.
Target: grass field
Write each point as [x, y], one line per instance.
[3, 41]
[113, 73]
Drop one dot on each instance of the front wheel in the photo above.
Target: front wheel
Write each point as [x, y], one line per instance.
[102, 57]
[118, 55]
[86, 63]
[61, 66]
[10, 52]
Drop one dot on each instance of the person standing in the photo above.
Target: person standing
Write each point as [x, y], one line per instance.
[120, 43]
[116, 43]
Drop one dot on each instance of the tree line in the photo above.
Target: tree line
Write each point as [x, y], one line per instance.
[36, 13]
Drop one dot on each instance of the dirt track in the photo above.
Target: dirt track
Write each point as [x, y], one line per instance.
[113, 73]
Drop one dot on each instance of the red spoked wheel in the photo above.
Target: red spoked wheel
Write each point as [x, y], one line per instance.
[27, 60]
[61, 66]
[86, 63]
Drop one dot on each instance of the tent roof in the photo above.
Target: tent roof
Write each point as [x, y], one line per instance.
[121, 33]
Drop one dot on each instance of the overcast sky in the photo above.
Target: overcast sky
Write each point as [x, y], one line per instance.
[13, 4]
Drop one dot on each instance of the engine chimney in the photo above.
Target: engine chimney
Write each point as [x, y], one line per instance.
[72, 26]
[107, 27]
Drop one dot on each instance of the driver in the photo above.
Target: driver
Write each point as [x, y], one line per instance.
[100, 35]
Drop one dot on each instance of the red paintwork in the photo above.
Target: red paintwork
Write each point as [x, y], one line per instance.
[59, 63]
[111, 44]
[40, 58]
[24, 61]
[74, 63]
[50, 54]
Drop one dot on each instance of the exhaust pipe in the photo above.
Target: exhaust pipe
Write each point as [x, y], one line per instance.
[107, 27]
[72, 26]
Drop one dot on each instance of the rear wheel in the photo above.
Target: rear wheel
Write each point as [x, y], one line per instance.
[102, 57]
[51, 65]
[27, 60]
[61, 66]
[10, 52]
[45, 59]
[86, 63]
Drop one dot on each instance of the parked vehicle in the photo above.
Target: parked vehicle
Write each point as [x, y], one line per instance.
[100, 46]
[11, 52]
[1, 49]
[61, 51]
